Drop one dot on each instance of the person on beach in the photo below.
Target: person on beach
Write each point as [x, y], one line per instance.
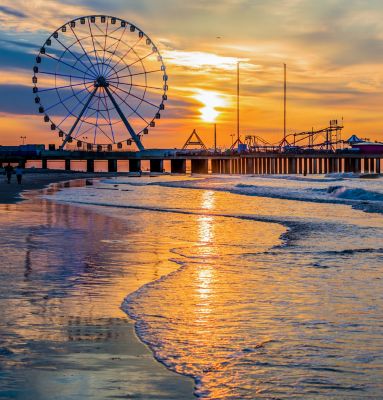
[19, 174]
[8, 170]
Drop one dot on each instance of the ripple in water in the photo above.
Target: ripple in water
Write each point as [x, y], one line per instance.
[251, 319]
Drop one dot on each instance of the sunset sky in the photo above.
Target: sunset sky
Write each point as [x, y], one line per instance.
[333, 49]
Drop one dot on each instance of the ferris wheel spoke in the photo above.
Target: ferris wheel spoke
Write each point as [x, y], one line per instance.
[67, 98]
[85, 52]
[84, 119]
[62, 121]
[106, 35]
[116, 30]
[83, 110]
[140, 59]
[60, 87]
[102, 63]
[105, 134]
[74, 55]
[128, 126]
[101, 31]
[97, 125]
[139, 98]
[59, 60]
[68, 115]
[94, 47]
[134, 110]
[67, 76]
[107, 61]
[70, 112]
[78, 134]
[129, 50]
[107, 110]
[140, 73]
[141, 86]
[118, 44]
[100, 48]
[102, 114]
[117, 41]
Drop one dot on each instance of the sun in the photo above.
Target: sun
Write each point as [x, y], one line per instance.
[211, 100]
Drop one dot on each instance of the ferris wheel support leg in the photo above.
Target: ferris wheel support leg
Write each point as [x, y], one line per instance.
[69, 135]
[133, 134]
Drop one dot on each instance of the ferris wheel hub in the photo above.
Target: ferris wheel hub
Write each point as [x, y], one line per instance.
[101, 82]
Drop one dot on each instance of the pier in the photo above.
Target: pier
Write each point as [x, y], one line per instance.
[262, 163]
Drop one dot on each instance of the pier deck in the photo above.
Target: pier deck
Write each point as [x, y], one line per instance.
[246, 163]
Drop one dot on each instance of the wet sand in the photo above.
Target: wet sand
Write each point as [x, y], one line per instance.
[63, 278]
[38, 179]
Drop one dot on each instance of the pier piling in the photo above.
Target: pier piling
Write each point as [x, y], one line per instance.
[89, 165]
[112, 165]
[199, 166]
[156, 165]
[178, 166]
[134, 165]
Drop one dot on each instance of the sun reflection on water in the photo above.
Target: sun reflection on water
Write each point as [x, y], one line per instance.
[206, 222]
[205, 277]
[205, 273]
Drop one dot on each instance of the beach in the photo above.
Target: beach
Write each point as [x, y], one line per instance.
[38, 179]
[64, 335]
[240, 287]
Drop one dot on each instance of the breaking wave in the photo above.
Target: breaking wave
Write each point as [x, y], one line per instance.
[343, 192]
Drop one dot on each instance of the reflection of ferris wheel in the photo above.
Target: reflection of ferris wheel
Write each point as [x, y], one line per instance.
[99, 80]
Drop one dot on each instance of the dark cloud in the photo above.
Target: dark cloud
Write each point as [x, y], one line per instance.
[18, 43]
[17, 99]
[12, 11]
[10, 59]
[21, 55]
[179, 109]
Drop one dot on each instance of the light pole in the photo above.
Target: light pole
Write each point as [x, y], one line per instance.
[284, 102]
[23, 138]
[238, 140]
[215, 124]
[238, 101]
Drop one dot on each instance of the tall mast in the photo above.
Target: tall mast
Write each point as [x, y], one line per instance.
[284, 102]
[238, 101]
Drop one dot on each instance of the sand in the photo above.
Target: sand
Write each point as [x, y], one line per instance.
[38, 179]
[100, 357]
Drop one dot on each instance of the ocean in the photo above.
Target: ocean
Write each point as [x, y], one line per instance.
[256, 287]
[276, 288]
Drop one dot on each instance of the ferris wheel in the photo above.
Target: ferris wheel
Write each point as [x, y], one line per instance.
[100, 81]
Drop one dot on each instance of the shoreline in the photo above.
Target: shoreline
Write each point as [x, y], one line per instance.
[40, 179]
[124, 358]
